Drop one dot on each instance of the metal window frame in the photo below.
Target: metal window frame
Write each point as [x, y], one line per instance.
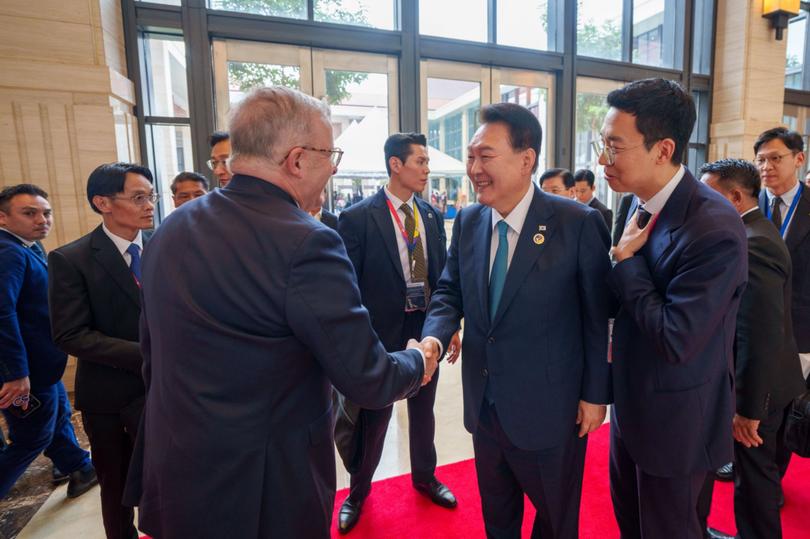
[199, 25]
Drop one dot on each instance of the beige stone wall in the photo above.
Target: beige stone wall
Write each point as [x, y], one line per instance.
[65, 101]
[749, 74]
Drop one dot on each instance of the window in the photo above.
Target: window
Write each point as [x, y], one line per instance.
[648, 33]
[699, 139]
[526, 23]
[457, 19]
[703, 36]
[795, 55]
[294, 9]
[599, 28]
[372, 13]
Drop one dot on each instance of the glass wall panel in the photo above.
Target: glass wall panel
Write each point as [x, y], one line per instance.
[703, 36]
[372, 13]
[524, 23]
[648, 33]
[457, 19]
[796, 47]
[166, 86]
[536, 100]
[599, 28]
[295, 9]
[169, 148]
[245, 76]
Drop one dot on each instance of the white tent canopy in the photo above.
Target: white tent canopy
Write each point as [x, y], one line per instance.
[362, 143]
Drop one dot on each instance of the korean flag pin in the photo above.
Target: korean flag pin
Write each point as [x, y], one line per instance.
[539, 239]
[541, 228]
[430, 216]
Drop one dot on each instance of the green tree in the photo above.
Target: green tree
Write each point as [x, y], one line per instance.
[600, 41]
[247, 76]
[591, 111]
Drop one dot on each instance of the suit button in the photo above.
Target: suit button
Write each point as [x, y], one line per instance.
[491, 340]
[484, 372]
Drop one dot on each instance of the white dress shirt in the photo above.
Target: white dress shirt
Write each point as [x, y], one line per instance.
[659, 200]
[515, 220]
[404, 255]
[787, 200]
[122, 244]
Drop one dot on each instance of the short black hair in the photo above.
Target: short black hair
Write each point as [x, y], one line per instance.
[663, 109]
[399, 145]
[567, 177]
[524, 128]
[584, 175]
[737, 172]
[8, 193]
[109, 179]
[188, 177]
[791, 139]
[217, 137]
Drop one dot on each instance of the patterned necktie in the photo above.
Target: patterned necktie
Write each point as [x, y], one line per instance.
[135, 263]
[37, 250]
[776, 212]
[419, 266]
[643, 217]
[498, 276]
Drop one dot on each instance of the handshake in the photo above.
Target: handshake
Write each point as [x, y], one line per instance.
[431, 350]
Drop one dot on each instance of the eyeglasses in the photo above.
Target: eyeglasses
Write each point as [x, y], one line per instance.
[140, 199]
[610, 152]
[214, 163]
[772, 159]
[335, 154]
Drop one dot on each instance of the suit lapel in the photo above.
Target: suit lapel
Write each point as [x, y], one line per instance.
[527, 251]
[800, 223]
[382, 216]
[482, 239]
[669, 220]
[106, 253]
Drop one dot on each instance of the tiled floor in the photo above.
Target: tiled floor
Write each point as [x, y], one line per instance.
[81, 518]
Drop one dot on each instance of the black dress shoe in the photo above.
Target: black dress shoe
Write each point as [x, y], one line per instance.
[725, 472]
[81, 481]
[348, 515]
[711, 533]
[58, 476]
[437, 492]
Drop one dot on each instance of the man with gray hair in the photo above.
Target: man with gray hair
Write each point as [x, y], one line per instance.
[237, 433]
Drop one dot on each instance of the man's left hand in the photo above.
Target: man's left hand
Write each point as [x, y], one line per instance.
[590, 417]
[745, 431]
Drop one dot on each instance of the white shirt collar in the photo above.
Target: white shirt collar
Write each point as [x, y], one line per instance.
[787, 197]
[397, 202]
[588, 202]
[23, 240]
[517, 216]
[659, 200]
[122, 244]
[749, 210]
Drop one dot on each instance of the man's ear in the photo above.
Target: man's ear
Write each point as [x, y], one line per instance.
[292, 164]
[103, 204]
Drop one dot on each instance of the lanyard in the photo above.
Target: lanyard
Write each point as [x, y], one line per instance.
[409, 243]
[792, 208]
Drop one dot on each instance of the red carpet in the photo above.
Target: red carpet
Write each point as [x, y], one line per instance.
[395, 509]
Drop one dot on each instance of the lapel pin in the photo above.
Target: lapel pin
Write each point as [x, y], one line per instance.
[541, 228]
[430, 216]
[539, 239]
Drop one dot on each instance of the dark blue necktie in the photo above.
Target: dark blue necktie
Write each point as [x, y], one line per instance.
[135, 264]
[498, 276]
[37, 250]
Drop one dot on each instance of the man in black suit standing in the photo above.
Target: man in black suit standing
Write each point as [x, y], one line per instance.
[681, 269]
[94, 296]
[768, 372]
[397, 245]
[584, 189]
[243, 329]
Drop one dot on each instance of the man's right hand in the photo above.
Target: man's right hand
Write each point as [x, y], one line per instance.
[14, 389]
[430, 351]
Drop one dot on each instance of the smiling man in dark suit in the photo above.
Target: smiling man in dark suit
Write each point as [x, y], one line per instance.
[526, 270]
[397, 245]
[95, 304]
[30, 363]
[681, 269]
[768, 372]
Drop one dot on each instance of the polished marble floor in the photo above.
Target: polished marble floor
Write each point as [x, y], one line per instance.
[60, 518]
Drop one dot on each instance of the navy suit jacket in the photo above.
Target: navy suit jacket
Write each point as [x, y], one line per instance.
[798, 243]
[243, 328]
[673, 336]
[546, 348]
[26, 347]
[370, 239]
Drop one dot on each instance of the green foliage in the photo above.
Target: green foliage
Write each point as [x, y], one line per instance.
[603, 41]
[591, 111]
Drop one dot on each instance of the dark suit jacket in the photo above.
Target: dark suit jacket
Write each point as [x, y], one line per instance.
[26, 347]
[769, 374]
[329, 219]
[370, 239]
[95, 305]
[601, 208]
[798, 243]
[243, 328]
[547, 346]
[673, 336]
[621, 217]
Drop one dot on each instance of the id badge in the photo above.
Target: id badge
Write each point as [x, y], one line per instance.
[415, 297]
